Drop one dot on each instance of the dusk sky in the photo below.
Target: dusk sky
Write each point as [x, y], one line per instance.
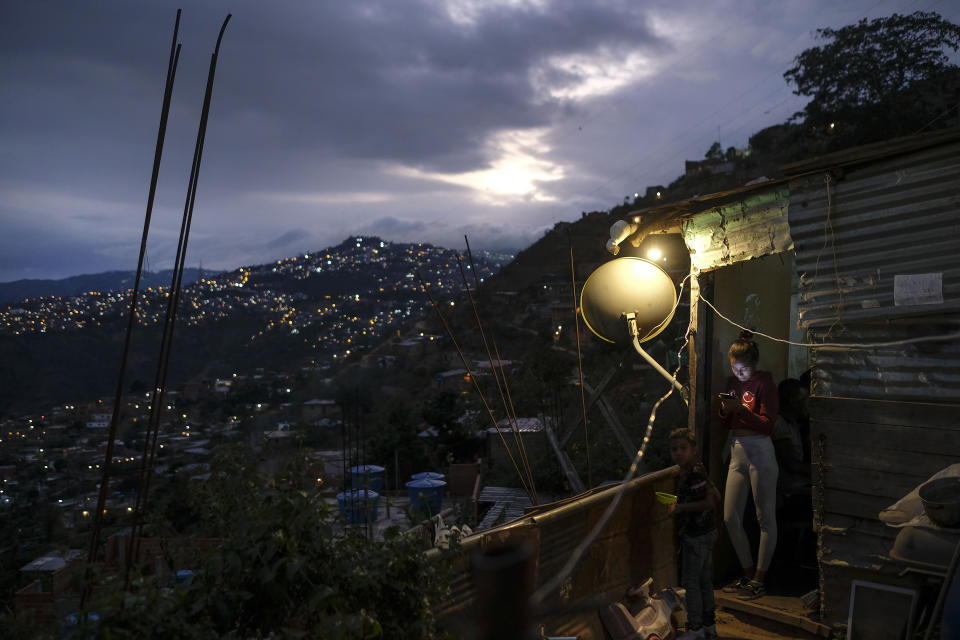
[414, 120]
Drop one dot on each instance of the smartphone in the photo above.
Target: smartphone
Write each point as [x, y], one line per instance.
[726, 396]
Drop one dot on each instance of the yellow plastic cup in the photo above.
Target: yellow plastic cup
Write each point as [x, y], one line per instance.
[666, 498]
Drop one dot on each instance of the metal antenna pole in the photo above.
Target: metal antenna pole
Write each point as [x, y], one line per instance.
[632, 328]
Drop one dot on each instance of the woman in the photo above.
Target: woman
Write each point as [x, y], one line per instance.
[749, 409]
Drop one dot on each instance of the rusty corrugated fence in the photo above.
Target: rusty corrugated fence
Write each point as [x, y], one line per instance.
[878, 256]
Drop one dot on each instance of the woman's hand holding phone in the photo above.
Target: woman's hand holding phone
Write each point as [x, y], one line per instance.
[728, 402]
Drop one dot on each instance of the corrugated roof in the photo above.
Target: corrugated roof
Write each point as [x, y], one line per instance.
[872, 152]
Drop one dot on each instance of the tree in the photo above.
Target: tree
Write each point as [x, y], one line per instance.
[875, 68]
[715, 152]
[281, 569]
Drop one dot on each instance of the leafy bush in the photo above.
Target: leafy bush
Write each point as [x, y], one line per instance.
[284, 569]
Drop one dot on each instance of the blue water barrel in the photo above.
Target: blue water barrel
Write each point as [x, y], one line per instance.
[426, 495]
[428, 475]
[358, 505]
[367, 476]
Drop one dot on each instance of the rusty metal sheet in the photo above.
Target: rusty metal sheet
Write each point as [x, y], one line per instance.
[899, 217]
[749, 228]
[920, 372]
[878, 259]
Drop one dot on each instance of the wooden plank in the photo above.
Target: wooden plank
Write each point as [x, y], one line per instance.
[856, 548]
[891, 486]
[731, 603]
[614, 423]
[918, 438]
[885, 412]
[905, 463]
[576, 484]
[875, 528]
[854, 504]
[697, 407]
[594, 395]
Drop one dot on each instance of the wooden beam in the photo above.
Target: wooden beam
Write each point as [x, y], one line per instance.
[886, 412]
[850, 503]
[891, 486]
[576, 484]
[917, 438]
[614, 423]
[604, 381]
[731, 603]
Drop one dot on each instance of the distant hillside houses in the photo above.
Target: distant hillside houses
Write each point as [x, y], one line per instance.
[708, 166]
[98, 420]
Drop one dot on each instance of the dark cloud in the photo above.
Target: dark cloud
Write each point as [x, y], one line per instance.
[289, 238]
[389, 226]
[331, 118]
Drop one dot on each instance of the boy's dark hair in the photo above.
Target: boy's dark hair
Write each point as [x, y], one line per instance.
[683, 433]
[745, 349]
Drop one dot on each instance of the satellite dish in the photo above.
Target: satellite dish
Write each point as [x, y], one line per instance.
[623, 286]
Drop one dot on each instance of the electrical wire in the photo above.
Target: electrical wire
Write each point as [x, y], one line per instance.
[837, 345]
[577, 554]
[473, 378]
[583, 399]
[511, 417]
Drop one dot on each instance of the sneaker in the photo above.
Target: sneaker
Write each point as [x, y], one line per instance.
[710, 632]
[752, 591]
[736, 586]
[692, 634]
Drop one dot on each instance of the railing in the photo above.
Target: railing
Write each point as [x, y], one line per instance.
[638, 542]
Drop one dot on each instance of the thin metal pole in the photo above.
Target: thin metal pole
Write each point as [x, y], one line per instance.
[177, 283]
[111, 440]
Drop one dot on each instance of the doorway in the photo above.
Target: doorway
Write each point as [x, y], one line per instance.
[761, 295]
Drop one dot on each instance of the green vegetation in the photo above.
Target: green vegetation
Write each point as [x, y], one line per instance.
[878, 79]
[280, 567]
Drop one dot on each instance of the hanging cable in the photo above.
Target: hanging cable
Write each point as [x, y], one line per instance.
[503, 372]
[512, 419]
[549, 586]
[576, 324]
[944, 113]
[830, 237]
[838, 345]
[473, 378]
[575, 557]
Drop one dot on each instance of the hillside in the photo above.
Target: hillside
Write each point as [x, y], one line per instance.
[315, 311]
[75, 285]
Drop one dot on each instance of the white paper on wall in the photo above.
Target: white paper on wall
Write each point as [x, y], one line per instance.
[918, 288]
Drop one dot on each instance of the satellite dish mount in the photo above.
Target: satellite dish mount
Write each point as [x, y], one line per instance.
[635, 291]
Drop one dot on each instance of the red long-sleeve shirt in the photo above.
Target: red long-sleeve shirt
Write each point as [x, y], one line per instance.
[760, 403]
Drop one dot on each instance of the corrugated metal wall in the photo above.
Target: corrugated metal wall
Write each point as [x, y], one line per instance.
[899, 216]
[751, 227]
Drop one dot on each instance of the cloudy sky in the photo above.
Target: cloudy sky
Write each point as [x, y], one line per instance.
[415, 120]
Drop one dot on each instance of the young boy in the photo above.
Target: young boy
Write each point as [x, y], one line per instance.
[694, 510]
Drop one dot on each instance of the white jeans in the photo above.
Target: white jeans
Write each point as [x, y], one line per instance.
[753, 465]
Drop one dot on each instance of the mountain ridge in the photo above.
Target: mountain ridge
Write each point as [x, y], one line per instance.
[119, 280]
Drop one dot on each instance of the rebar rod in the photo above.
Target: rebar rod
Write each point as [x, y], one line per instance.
[111, 439]
[466, 365]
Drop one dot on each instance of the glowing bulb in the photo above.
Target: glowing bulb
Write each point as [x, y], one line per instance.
[654, 254]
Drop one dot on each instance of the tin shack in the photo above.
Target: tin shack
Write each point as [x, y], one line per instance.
[850, 263]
